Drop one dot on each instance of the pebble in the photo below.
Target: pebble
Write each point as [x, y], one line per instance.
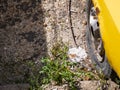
[84, 22]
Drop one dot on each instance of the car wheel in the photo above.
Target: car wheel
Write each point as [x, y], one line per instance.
[94, 42]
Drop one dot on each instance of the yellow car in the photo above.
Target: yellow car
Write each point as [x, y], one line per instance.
[103, 34]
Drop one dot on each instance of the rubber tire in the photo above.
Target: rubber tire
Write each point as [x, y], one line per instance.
[102, 67]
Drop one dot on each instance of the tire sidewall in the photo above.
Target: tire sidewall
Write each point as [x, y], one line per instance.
[104, 66]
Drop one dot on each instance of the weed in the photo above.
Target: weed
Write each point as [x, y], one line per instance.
[58, 69]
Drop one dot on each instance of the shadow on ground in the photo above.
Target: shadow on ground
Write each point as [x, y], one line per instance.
[22, 38]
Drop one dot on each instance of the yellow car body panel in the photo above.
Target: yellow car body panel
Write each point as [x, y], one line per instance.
[109, 19]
